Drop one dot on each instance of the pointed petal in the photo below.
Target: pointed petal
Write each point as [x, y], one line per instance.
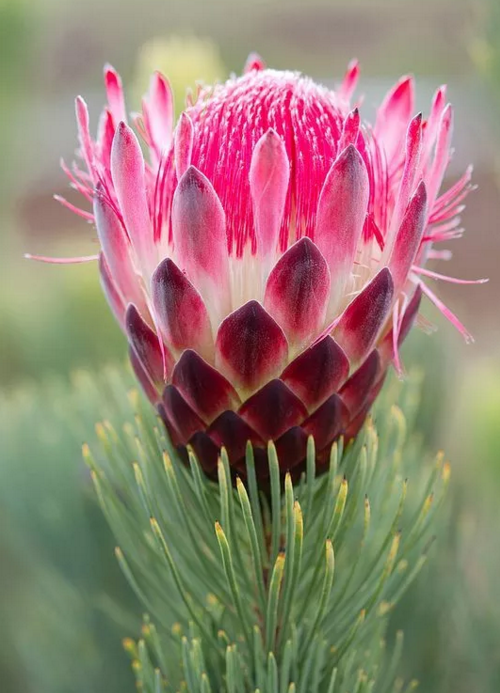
[350, 130]
[298, 290]
[393, 117]
[408, 239]
[356, 390]
[179, 309]
[348, 85]
[127, 170]
[117, 251]
[146, 346]
[105, 137]
[112, 294]
[114, 93]
[254, 62]
[86, 144]
[203, 387]
[387, 345]
[408, 180]
[142, 376]
[431, 126]
[397, 316]
[269, 175]
[229, 430]
[317, 372]
[365, 316]
[199, 230]
[250, 346]
[273, 410]
[357, 422]
[327, 422]
[291, 448]
[441, 156]
[181, 421]
[183, 145]
[207, 453]
[158, 112]
[342, 208]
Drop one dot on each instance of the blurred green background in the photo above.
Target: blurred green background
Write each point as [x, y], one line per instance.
[61, 595]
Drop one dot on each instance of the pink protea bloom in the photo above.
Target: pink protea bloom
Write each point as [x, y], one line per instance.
[266, 260]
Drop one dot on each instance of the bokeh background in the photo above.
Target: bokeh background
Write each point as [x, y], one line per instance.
[63, 604]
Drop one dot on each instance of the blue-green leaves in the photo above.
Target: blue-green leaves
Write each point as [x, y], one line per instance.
[281, 590]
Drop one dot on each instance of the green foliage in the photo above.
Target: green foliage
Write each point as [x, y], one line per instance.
[480, 405]
[454, 613]
[35, 339]
[63, 601]
[287, 590]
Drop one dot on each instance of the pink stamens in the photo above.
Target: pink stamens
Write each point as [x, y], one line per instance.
[62, 260]
[446, 278]
[448, 314]
[76, 210]
[444, 255]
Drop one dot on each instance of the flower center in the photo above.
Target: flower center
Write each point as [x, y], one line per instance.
[229, 120]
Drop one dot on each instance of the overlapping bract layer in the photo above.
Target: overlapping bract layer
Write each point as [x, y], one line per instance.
[266, 262]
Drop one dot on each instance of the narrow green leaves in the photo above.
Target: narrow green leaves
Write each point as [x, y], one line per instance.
[274, 471]
[324, 597]
[256, 558]
[291, 590]
[272, 603]
[234, 588]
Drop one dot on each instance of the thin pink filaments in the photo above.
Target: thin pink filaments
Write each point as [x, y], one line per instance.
[452, 197]
[75, 184]
[448, 314]
[72, 208]
[230, 120]
[62, 260]
[444, 255]
[445, 277]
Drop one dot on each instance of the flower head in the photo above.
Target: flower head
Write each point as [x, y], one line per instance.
[266, 259]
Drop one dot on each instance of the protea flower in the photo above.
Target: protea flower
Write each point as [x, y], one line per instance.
[266, 260]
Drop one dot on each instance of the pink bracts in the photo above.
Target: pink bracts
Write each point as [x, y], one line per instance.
[266, 259]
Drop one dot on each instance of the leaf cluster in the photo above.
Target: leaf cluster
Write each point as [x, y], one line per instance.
[286, 591]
